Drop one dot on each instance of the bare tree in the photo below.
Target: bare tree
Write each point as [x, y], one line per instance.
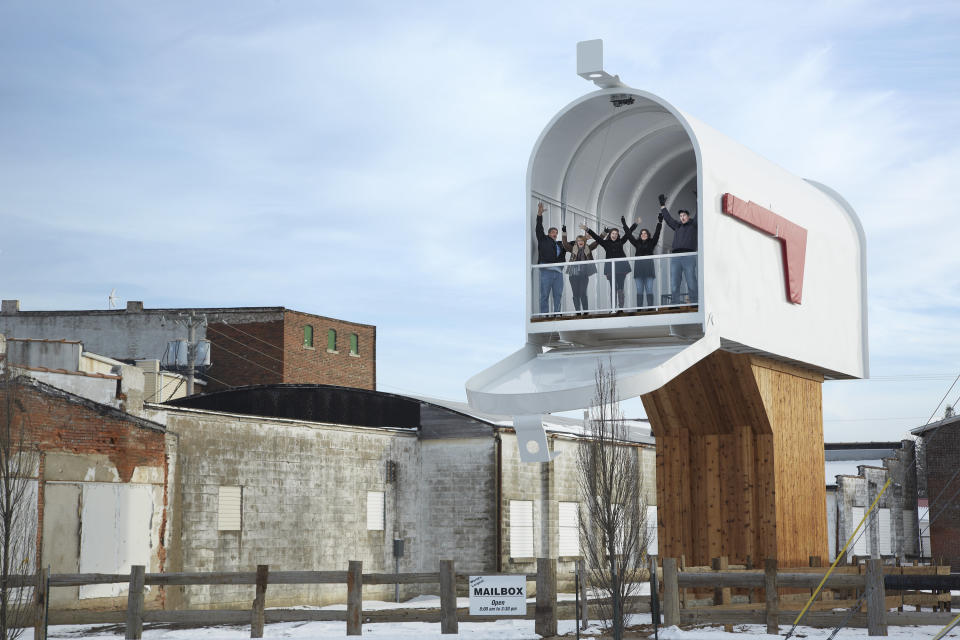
[18, 504]
[613, 533]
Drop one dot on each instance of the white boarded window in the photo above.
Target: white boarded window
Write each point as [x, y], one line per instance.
[884, 526]
[375, 507]
[652, 540]
[229, 508]
[860, 546]
[115, 530]
[521, 529]
[569, 519]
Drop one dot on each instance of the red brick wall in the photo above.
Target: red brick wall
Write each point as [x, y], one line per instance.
[318, 365]
[245, 354]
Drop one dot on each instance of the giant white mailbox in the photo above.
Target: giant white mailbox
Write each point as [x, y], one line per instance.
[781, 263]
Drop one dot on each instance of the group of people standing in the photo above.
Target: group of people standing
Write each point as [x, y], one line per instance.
[553, 251]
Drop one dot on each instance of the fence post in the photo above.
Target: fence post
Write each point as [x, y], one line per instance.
[584, 613]
[876, 599]
[671, 593]
[546, 610]
[721, 595]
[354, 598]
[654, 592]
[135, 602]
[259, 601]
[40, 599]
[770, 593]
[448, 598]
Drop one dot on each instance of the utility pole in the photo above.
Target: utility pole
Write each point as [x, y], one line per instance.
[192, 321]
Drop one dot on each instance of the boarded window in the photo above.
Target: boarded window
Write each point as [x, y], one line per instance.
[115, 530]
[331, 340]
[354, 344]
[375, 509]
[652, 540]
[860, 546]
[229, 508]
[308, 336]
[569, 520]
[886, 548]
[521, 529]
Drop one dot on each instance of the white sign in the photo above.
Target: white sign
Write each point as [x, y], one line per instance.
[498, 595]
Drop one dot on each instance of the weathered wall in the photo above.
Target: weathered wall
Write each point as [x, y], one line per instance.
[304, 502]
[50, 354]
[102, 494]
[942, 451]
[546, 485]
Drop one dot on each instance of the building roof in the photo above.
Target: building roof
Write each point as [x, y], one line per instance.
[927, 428]
[433, 417]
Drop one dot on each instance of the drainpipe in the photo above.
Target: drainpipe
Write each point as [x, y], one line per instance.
[498, 445]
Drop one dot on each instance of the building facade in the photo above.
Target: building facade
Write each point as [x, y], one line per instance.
[939, 444]
[248, 345]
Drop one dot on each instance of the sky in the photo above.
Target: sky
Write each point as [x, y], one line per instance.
[366, 160]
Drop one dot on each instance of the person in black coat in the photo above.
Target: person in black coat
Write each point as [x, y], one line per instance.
[549, 251]
[612, 245]
[684, 242]
[643, 271]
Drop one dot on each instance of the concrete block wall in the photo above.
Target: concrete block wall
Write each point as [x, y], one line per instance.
[303, 507]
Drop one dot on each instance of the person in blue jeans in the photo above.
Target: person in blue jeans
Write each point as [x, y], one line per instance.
[550, 251]
[643, 271]
[684, 242]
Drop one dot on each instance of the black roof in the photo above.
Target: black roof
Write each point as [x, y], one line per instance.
[339, 405]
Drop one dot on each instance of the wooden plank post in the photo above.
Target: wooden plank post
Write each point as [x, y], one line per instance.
[354, 598]
[721, 595]
[584, 614]
[671, 593]
[546, 610]
[135, 602]
[773, 601]
[876, 599]
[41, 596]
[448, 598]
[259, 601]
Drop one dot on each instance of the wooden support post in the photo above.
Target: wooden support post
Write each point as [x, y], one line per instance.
[546, 610]
[748, 564]
[354, 598]
[721, 595]
[41, 598]
[584, 614]
[448, 598]
[259, 601]
[671, 593]
[773, 601]
[135, 602]
[876, 599]
[683, 567]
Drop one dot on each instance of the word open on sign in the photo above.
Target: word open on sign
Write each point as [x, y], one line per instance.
[498, 595]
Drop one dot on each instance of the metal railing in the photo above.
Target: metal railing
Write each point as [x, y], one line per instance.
[603, 287]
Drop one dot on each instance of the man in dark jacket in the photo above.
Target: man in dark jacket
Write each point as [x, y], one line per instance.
[684, 242]
[549, 251]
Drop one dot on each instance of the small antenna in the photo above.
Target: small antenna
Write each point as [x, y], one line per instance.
[112, 299]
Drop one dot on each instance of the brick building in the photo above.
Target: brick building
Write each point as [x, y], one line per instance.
[100, 488]
[939, 452]
[248, 345]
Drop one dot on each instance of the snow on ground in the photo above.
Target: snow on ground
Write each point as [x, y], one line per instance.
[494, 630]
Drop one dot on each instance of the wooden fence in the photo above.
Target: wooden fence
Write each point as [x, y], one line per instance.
[885, 587]
[545, 611]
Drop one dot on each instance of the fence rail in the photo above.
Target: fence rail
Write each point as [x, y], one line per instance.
[544, 611]
[775, 607]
